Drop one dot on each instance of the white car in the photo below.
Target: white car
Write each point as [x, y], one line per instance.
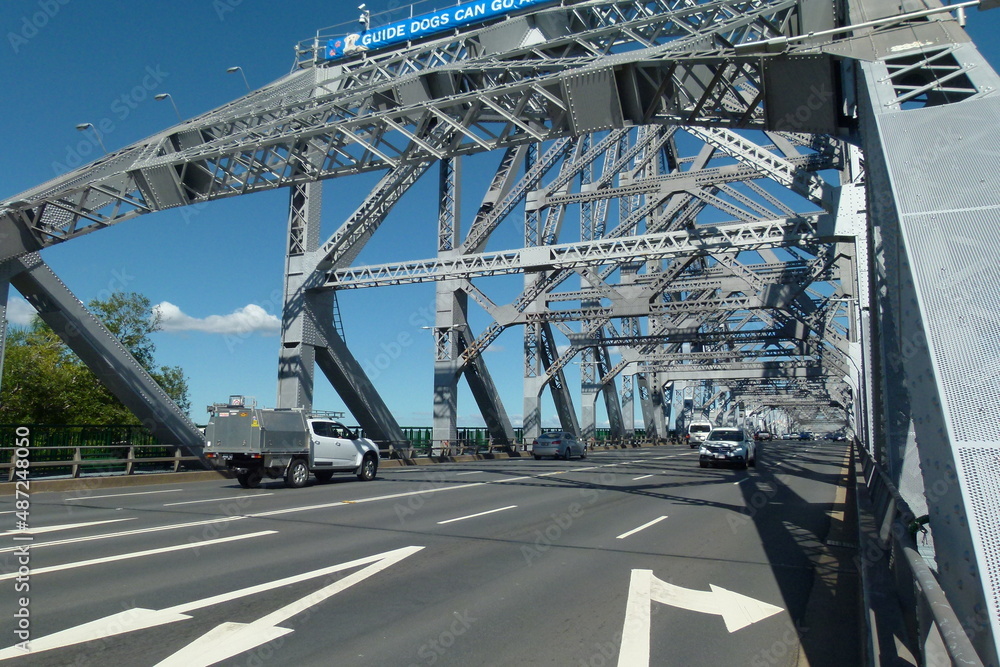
[727, 445]
[558, 445]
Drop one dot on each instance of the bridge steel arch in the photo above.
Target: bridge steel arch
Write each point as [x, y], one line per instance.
[739, 191]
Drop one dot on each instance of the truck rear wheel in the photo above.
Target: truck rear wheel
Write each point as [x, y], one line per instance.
[297, 474]
[369, 466]
[250, 479]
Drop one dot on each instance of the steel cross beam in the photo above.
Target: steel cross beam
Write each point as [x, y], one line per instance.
[746, 236]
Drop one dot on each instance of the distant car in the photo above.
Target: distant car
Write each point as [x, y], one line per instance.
[697, 432]
[727, 445]
[805, 435]
[787, 436]
[761, 436]
[558, 445]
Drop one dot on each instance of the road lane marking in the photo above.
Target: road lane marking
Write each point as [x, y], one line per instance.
[67, 526]
[121, 495]
[582, 469]
[134, 619]
[474, 472]
[737, 611]
[239, 517]
[642, 527]
[212, 500]
[137, 554]
[473, 516]
[636, 479]
[138, 531]
[745, 479]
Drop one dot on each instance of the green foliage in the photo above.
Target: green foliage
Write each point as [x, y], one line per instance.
[45, 383]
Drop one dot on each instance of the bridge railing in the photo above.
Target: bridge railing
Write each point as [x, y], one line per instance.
[75, 461]
[890, 562]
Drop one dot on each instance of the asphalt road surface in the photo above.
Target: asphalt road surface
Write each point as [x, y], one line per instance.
[629, 557]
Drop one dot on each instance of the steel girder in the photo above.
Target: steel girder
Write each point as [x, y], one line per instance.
[101, 351]
[321, 122]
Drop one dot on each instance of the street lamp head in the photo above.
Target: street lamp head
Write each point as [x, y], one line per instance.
[232, 70]
[84, 126]
[161, 96]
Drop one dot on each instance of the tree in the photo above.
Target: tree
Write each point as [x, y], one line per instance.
[45, 383]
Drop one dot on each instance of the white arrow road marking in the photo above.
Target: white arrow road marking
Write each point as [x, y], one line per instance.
[230, 639]
[738, 611]
[139, 619]
[68, 526]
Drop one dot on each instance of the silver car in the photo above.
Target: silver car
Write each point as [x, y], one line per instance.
[728, 445]
[558, 445]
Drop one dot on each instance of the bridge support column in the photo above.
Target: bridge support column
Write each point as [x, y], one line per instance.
[297, 358]
[4, 295]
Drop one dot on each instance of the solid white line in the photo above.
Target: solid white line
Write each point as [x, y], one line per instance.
[474, 472]
[512, 479]
[642, 527]
[473, 516]
[68, 526]
[139, 531]
[212, 500]
[582, 469]
[636, 479]
[138, 554]
[122, 495]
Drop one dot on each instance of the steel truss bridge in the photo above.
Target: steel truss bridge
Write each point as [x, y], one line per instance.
[782, 203]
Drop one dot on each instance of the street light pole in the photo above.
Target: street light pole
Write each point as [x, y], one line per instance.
[233, 70]
[84, 126]
[164, 96]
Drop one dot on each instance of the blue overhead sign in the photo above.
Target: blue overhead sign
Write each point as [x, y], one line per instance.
[421, 26]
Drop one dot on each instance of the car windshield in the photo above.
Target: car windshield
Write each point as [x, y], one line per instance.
[698, 428]
[731, 436]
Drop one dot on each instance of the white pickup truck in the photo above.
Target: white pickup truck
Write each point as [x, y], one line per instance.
[287, 444]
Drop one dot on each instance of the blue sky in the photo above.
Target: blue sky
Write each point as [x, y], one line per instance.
[217, 269]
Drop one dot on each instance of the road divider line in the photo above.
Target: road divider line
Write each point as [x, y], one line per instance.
[212, 500]
[474, 472]
[473, 516]
[67, 526]
[636, 479]
[121, 495]
[138, 554]
[642, 527]
[137, 531]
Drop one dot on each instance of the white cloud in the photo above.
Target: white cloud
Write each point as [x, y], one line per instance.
[19, 312]
[242, 321]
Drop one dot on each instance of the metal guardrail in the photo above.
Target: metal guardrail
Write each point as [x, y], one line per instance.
[934, 632]
[90, 458]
